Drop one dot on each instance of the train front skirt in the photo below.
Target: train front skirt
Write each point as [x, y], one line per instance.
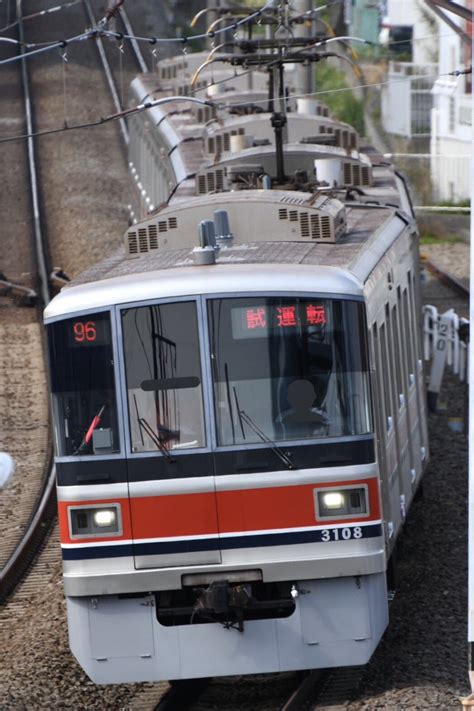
[335, 622]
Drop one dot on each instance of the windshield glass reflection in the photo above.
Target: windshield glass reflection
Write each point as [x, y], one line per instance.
[163, 372]
[288, 369]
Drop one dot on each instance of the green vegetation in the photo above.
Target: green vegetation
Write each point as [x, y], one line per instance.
[427, 238]
[342, 104]
[451, 203]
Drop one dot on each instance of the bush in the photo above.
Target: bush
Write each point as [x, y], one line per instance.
[342, 104]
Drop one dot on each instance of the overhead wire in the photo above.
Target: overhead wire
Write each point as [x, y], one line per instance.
[203, 35]
[216, 104]
[40, 13]
[228, 105]
[40, 47]
[47, 47]
[100, 30]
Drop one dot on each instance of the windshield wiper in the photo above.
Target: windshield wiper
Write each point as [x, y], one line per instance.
[261, 434]
[155, 437]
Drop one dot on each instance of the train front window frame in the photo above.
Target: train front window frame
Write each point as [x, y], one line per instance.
[240, 420]
[168, 392]
[83, 372]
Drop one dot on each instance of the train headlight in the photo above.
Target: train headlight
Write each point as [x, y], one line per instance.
[333, 500]
[90, 521]
[105, 517]
[340, 503]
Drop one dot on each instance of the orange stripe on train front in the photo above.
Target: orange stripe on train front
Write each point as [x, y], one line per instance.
[237, 510]
[280, 507]
[174, 515]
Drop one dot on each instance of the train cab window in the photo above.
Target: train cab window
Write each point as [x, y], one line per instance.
[288, 369]
[83, 385]
[163, 372]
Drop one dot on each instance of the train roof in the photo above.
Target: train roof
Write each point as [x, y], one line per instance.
[251, 263]
[185, 130]
[328, 239]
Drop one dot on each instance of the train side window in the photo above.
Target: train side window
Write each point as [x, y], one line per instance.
[403, 333]
[394, 388]
[386, 376]
[163, 373]
[407, 337]
[414, 320]
[396, 357]
[83, 385]
[379, 405]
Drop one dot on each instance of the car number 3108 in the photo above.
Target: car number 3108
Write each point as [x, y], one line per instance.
[340, 534]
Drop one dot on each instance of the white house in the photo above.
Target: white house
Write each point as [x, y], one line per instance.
[451, 116]
[409, 30]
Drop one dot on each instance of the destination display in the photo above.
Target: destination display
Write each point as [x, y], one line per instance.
[258, 321]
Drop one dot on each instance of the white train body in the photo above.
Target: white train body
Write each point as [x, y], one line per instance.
[239, 431]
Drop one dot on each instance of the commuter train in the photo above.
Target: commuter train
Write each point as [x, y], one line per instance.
[238, 396]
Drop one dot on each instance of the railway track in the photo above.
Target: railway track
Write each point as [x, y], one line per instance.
[260, 692]
[39, 512]
[445, 277]
[320, 688]
[441, 286]
[36, 508]
[41, 672]
[130, 61]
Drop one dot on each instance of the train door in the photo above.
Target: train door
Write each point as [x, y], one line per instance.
[170, 466]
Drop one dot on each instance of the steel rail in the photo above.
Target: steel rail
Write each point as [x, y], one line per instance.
[182, 694]
[37, 230]
[309, 684]
[38, 527]
[108, 73]
[446, 277]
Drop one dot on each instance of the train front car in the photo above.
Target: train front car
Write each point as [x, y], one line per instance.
[218, 485]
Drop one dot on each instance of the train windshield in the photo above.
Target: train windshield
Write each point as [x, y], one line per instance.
[83, 385]
[289, 369]
[163, 371]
